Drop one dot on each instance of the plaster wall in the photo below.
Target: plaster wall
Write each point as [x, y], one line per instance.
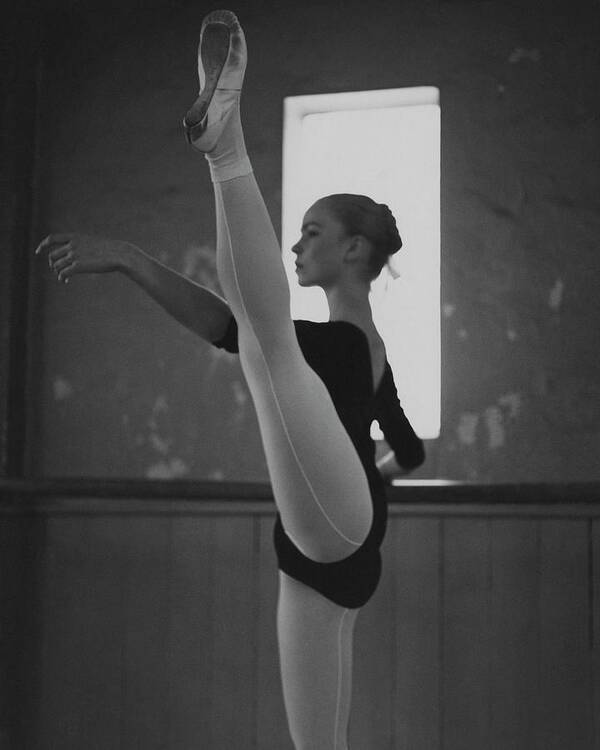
[123, 391]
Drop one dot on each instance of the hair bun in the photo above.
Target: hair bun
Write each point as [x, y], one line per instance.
[361, 215]
[394, 241]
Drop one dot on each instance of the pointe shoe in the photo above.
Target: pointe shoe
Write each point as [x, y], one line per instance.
[222, 60]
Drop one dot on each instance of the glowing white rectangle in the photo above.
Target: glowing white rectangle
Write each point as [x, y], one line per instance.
[384, 144]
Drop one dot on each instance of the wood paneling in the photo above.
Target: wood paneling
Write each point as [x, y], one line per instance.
[373, 680]
[514, 633]
[145, 704]
[414, 564]
[466, 644]
[594, 592]
[234, 641]
[271, 726]
[10, 582]
[565, 662]
[158, 630]
[191, 631]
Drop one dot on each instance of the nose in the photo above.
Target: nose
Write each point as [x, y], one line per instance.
[297, 249]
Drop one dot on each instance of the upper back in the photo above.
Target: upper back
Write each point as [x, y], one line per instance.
[343, 354]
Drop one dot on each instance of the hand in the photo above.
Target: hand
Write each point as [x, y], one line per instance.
[69, 254]
[390, 469]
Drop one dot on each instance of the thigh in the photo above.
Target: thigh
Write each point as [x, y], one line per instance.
[318, 481]
[315, 647]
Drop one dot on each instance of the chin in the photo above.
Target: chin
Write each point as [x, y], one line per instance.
[303, 282]
[306, 280]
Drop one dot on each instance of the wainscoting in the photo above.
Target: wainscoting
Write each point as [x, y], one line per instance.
[142, 615]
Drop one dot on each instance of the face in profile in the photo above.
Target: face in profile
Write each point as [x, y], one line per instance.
[321, 248]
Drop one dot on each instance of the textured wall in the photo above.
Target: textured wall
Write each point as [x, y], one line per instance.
[124, 391]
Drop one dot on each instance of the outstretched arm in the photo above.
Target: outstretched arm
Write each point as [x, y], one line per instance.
[194, 306]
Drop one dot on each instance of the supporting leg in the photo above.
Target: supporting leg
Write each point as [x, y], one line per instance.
[315, 644]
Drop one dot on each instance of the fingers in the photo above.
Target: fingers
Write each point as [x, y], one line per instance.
[66, 271]
[58, 255]
[61, 257]
[62, 261]
[53, 240]
[63, 265]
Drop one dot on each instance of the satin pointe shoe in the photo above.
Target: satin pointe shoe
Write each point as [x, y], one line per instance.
[222, 57]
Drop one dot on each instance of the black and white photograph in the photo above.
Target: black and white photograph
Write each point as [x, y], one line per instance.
[300, 375]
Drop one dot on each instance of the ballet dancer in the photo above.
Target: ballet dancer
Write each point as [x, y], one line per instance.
[316, 387]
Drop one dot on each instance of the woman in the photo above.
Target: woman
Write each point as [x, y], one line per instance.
[316, 386]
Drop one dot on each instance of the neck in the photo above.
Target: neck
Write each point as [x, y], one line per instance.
[350, 302]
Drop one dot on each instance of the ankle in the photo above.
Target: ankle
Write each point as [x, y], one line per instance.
[221, 172]
[229, 159]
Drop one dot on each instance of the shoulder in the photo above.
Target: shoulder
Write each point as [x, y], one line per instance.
[334, 344]
[310, 334]
[335, 335]
[330, 329]
[338, 329]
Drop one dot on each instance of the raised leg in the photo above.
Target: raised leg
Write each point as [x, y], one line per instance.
[318, 481]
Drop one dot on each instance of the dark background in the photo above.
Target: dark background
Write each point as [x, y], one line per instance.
[98, 381]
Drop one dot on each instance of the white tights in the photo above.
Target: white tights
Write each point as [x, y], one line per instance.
[315, 653]
[319, 484]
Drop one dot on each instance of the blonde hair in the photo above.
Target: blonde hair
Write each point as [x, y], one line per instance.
[359, 214]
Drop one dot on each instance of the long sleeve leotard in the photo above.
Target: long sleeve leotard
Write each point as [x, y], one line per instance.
[338, 351]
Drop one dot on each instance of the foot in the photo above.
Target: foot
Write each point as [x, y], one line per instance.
[221, 66]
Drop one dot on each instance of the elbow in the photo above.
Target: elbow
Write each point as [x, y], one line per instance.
[415, 458]
[420, 454]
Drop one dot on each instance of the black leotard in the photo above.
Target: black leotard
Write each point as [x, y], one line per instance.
[338, 351]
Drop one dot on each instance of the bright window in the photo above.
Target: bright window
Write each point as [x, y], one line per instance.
[384, 144]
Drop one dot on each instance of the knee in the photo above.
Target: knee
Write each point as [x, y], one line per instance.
[326, 547]
[335, 542]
